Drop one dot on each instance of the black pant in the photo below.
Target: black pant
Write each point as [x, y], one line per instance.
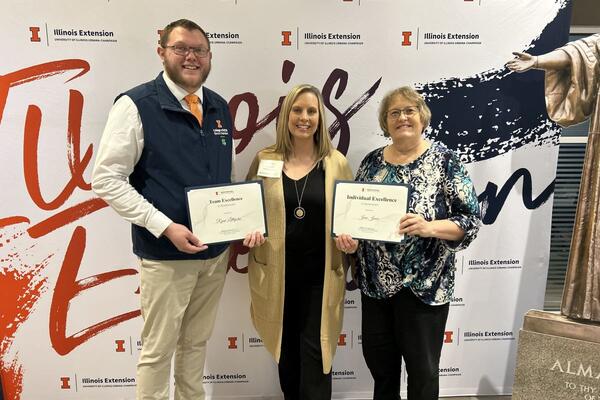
[403, 327]
[301, 363]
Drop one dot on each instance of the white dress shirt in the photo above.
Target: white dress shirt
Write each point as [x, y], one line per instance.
[119, 151]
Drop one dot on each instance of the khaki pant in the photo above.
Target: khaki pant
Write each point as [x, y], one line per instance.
[179, 302]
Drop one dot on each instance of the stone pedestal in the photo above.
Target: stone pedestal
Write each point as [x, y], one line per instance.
[558, 359]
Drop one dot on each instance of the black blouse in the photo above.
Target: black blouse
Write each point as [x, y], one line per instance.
[305, 238]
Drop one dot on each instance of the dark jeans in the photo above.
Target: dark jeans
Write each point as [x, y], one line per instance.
[403, 327]
[301, 364]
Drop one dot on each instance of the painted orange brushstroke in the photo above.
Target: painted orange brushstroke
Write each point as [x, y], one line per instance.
[21, 289]
[12, 378]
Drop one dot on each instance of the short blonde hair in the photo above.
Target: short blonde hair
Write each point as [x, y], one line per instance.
[283, 142]
[409, 94]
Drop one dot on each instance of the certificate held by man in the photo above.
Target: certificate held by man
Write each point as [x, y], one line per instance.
[226, 213]
[369, 211]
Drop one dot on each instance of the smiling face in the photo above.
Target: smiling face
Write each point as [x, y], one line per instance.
[404, 129]
[304, 117]
[188, 71]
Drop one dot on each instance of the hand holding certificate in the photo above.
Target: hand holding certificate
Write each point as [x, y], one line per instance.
[226, 213]
[369, 211]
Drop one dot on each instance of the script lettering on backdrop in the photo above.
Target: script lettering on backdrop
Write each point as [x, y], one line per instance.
[24, 286]
[337, 77]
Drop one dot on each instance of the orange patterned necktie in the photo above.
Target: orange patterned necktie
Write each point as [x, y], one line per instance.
[193, 102]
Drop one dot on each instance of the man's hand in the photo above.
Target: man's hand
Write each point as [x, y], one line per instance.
[184, 239]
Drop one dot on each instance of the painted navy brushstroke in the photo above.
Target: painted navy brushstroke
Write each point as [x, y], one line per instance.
[491, 200]
[496, 111]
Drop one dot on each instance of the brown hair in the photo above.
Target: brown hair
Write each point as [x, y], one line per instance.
[184, 23]
[409, 94]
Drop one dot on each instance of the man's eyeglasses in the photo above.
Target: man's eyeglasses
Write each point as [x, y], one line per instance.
[407, 111]
[184, 50]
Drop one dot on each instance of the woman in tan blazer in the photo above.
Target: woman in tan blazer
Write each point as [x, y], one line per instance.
[297, 279]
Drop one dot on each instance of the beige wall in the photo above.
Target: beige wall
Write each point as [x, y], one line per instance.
[586, 12]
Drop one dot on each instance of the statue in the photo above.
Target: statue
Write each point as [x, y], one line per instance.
[572, 83]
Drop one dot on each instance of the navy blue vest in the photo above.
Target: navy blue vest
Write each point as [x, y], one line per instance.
[178, 153]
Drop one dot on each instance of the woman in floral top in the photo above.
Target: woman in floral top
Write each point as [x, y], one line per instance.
[406, 288]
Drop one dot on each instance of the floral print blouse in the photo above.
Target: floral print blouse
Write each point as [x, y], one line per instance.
[440, 188]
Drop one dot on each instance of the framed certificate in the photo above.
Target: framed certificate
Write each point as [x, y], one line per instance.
[369, 211]
[226, 213]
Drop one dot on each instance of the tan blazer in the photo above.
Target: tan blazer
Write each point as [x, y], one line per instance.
[266, 263]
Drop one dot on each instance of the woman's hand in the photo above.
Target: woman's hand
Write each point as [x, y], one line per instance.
[415, 225]
[346, 244]
[254, 239]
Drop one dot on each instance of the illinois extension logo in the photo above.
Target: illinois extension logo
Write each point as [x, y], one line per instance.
[232, 342]
[35, 34]
[65, 382]
[406, 35]
[286, 35]
[120, 346]
[342, 339]
[448, 337]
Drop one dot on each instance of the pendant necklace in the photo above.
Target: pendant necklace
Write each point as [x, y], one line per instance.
[300, 212]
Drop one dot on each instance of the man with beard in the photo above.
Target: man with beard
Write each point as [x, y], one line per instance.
[161, 137]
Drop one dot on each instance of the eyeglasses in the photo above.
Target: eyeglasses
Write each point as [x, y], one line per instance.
[407, 111]
[184, 50]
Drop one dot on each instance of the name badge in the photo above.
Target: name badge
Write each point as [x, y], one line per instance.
[220, 132]
[270, 168]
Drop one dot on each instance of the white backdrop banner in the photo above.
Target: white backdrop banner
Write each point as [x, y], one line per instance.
[69, 295]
